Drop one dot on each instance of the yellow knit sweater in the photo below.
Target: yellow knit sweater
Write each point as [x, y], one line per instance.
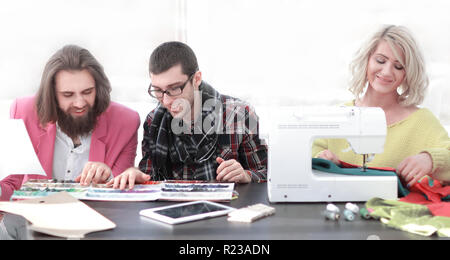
[419, 132]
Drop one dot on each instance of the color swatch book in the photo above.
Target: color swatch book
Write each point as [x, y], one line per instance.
[36, 188]
[149, 191]
[196, 191]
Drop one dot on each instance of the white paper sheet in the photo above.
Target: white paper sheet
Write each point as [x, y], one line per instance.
[59, 215]
[17, 155]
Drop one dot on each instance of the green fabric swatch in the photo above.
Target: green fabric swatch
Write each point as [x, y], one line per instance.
[414, 218]
[328, 166]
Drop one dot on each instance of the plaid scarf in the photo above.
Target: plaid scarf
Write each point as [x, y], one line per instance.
[170, 153]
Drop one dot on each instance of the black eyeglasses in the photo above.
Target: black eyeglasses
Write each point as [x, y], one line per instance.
[158, 93]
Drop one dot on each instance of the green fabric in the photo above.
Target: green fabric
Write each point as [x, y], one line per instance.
[409, 217]
[328, 166]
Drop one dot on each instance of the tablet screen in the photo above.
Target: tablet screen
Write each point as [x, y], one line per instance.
[186, 212]
[189, 210]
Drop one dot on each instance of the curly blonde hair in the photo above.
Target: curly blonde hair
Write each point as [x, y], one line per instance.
[412, 90]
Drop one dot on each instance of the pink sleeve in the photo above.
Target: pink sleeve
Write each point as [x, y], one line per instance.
[13, 182]
[8, 185]
[127, 155]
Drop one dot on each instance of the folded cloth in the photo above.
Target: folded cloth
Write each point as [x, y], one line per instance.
[431, 193]
[410, 217]
[427, 191]
[350, 169]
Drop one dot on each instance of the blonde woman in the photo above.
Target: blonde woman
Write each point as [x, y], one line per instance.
[389, 72]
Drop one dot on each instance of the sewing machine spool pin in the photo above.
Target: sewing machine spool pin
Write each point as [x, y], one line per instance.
[364, 167]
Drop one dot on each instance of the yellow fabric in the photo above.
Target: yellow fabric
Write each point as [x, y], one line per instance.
[419, 132]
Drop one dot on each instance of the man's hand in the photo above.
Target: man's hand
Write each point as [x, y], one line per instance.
[231, 171]
[328, 155]
[414, 168]
[94, 172]
[131, 176]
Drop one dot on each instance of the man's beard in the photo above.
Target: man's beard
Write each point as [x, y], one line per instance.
[77, 126]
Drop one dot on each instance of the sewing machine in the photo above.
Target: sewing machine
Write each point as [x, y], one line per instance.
[291, 135]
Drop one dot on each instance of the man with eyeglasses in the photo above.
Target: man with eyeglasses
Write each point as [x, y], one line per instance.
[195, 133]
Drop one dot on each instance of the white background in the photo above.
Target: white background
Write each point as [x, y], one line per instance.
[268, 52]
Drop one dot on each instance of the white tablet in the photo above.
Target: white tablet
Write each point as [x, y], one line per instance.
[186, 212]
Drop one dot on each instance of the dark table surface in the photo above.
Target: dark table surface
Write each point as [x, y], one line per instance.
[291, 221]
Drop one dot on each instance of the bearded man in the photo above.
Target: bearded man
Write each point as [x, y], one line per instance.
[78, 134]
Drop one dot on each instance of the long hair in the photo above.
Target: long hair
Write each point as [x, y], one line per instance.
[70, 57]
[412, 90]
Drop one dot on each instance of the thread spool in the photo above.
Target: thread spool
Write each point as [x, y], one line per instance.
[352, 207]
[364, 213]
[349, 215]
[331, 215]
[333, 208]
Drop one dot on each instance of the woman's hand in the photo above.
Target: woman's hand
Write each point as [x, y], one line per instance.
[328, 155]
[414, 168]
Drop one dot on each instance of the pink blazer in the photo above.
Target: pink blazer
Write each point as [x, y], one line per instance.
[113, 141]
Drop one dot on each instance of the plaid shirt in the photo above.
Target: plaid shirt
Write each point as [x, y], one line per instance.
[239, 140]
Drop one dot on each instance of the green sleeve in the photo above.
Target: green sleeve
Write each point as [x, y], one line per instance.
[441, 161]
[439, 150]
[318, 146]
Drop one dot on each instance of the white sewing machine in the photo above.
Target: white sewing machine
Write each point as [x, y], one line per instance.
[292, 132]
